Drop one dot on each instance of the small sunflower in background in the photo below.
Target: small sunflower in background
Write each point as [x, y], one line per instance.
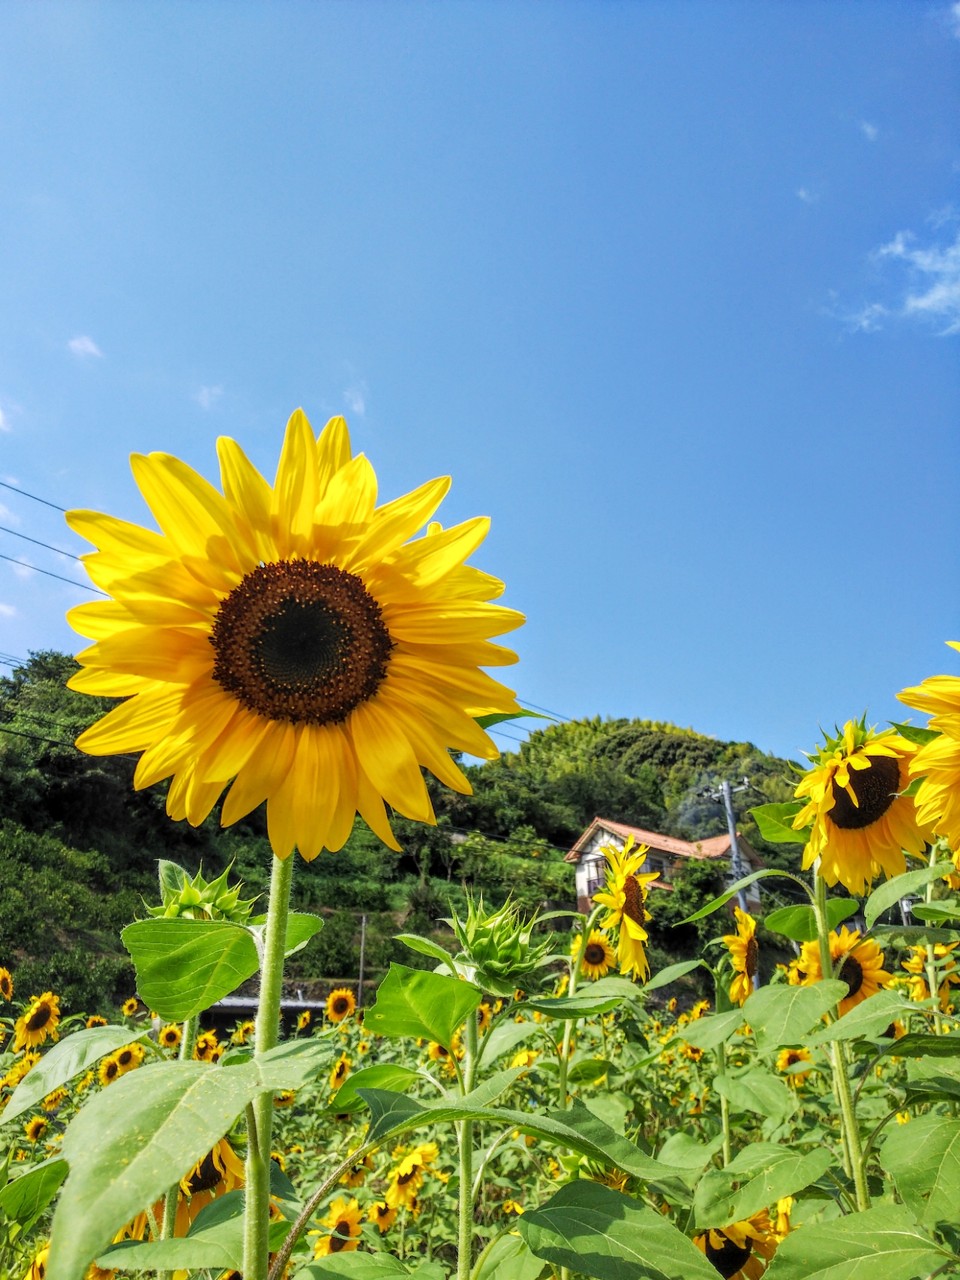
[341, 1003]
[741, 1250]
[860, 821]
[243, 1031]
[128, 1058]
[35, 1128]
[170, 1036]
[53, 1101]
[344, 1219]
[130, 1007]
[38, 1267]
[207, 1047]
[625, 893]
[744, 955]
[857, 962]
[356, 1175]
[945, 966]
[382, 1215]
[599, 956]
[38, 1022]
[937, 763]
[303, 1021]
[792, 1062]
[294, 643]
[339, 1071]
[95, 1020]
[108, 1070]
[6, 984]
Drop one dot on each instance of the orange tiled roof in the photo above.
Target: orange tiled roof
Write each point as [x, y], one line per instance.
[712, 847]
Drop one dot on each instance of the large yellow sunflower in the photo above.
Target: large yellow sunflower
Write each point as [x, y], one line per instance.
[861, 821]
[857, 962]
[626, 895]
[937, 763]
[741, 1250]
[742, 946]
[599, 956]
[38, 1022]
[294, 642]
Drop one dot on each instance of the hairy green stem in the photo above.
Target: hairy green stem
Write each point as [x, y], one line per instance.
[256, 1210]
[188, 1038]
[465, 1194]
[838, 1061]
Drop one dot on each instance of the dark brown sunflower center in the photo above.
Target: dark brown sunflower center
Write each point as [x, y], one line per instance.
[594, 953]
[851, 972]
[39, 1018]
[729, 1258]
[750, 956]
[875, 788]
[206, 1176]
[633, 900]
[300, 641]
[341, 1006]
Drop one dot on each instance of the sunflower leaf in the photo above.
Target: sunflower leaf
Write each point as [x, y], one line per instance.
[424, 946]
[761, 1174]
[707, 1033]
[600, 997]
[890, 892]
[26, 1197]
[800, 922]
[671, 973]
[782, 1015]
[184, 966]
[775, 822]
[923, 1158]
[509, 1258]
[948, 909]
[716, 903]
[598, 1232]
[869, 1018]
[759, 1091]
[883, 1241]
[385, 1075]
[413, 1003]
[73, 1055]
[914, 733]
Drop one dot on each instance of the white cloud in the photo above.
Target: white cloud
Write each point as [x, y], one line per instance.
[4, 424]
[932, 278]
[7, 611]
[954, 19]
[869, 318]
[869, 131]
[83, 345]
[7, 516]
[207, 397]
[806, 195]
[22, 570]
[355, 398]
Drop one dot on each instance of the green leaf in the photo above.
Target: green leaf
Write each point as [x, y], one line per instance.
[716, 903]
[708, 1032]
[800, 923]
[671, 974]
[760, 1175]
[25, 1198]
[683, 1150]
[758, 1090]
[424, 946]
[134, 1140]
[912, 935]
[504, 717]
[891, 891]
[413, 1003]
[185, 966]
[73, 1055]
[913, 733]
[775, 822]
[598, 997]
[598, 1232]
[291, 1064]
[937, 912]
[301, 927]
[882, 1242]
[218, 1248]
[923, 1158]
[505, 1037]
[384, 1075]
[869, 1019]
[509, 1258]
[917, 1045]
[781, 1014]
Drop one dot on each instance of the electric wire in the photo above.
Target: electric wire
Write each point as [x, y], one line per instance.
[37, 543]
[14, 489]
[59, 576]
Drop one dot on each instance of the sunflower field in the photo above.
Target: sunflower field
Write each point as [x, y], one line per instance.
[536, 1102]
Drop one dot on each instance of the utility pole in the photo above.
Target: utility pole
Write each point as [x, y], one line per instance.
[725, 793]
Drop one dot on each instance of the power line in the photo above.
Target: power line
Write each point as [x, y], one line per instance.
[13, 488]
[37, 543]
[59, 576]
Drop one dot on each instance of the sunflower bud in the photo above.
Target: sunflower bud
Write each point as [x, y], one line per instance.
[497, 945]
[200, 899]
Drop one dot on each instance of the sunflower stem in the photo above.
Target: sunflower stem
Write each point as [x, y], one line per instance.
[724, 1104]
[188, 1038]
[931, 961]
[465, 1193]
[838, 1062]
[260, 1112]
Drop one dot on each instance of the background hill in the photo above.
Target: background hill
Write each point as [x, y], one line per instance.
[78, 846]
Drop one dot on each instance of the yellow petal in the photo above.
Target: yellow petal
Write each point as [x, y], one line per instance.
[333, 451]
[296, 488]
[444, 624]
[118, 536]
[188, 509]
[134, 725]
[387, 759]
[395, 522]
[249, 494]
[350, 498]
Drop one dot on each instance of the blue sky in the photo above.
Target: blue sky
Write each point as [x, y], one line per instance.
[672, 290]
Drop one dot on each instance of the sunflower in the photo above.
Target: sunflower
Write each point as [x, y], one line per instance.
[861, 823]
[406, 1178]
[38, 1267]
[205, 1049]
[303, 1021]
[128, 1058]
[108, 1069]
[484, 1017]
[858, 963]
[129, 1007]
[344, 1220]
[792, 1063]
[297, 640]
[340, 1004]
[38, 1022]
[944, 962]
[599, 956]
[242, 1032]
[95, 1020]
[383, 1215]
[625, 894]
[356, 1175]
[170, 1036]
[54, 1100]
[19, 1070]
[339, 1071]
[937, 763]
[219, 1171]
[6, 984]
[741, 1250]
[35, 1128]
[742, 946]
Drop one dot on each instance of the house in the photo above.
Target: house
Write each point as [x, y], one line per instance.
[666, 854]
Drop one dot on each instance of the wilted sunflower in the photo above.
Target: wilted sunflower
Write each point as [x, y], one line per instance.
[344, 1220]
[38, 1022]
[340, 1004]
[599, 956]
[742, 946]
[937, 763]
[741, 1250]
[861, 822]
[297, 640]
[625, 894]
[860, 966]
[6, 984]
